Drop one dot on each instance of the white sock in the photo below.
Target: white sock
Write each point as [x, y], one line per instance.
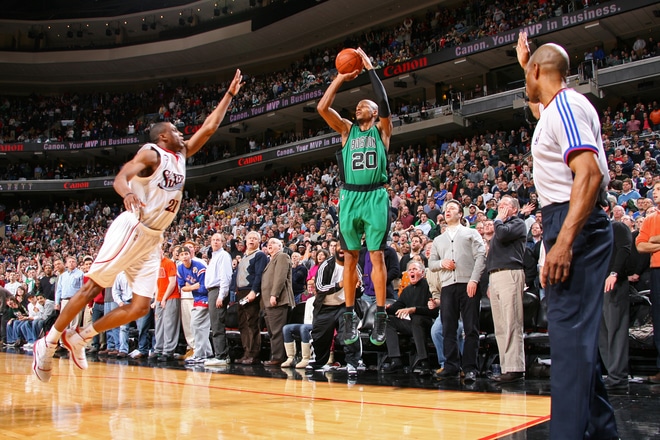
[88, 332]
[53, 336]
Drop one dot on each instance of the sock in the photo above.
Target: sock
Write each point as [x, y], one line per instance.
[53, 336]
[88, 332]
[380, 309]
[349, 309]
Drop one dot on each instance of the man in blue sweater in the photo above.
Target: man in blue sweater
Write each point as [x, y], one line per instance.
[190, 276]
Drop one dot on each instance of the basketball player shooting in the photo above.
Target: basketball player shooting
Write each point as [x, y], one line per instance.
[363, 202]
[151, 185]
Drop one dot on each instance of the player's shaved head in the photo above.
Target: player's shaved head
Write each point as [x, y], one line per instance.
[551, 57]
[157, 129]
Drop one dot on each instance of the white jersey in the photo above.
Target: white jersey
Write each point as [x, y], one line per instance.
[569, 123]
[163, 190]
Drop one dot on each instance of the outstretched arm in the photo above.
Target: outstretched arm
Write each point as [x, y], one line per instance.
[213, 120]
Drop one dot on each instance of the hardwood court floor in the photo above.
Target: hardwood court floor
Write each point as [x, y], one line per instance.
[124, 400]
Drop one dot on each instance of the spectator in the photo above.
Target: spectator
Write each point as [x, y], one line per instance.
[506, 285]
[167, 311]
[247, 280]
[298, 276]
[218, 280]
[646, 245]
[190, 277]
[302, 331]
[613, 336]
[122, 293]
[277, 299]
[329, 309]
[410, 315]
[67, 285]
[459, 254]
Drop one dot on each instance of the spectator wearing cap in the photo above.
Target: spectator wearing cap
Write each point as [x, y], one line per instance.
[474, 175]
[471, 216]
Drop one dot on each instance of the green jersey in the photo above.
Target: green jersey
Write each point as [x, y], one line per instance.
[364, 157]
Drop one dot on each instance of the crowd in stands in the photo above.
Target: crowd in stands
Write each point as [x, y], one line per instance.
[300, 208]
[76, 116]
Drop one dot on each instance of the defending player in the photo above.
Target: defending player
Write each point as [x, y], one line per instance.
[364, 203]
[151, 185]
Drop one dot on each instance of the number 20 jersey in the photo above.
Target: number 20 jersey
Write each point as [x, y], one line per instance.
[163, 190]
[364, 157]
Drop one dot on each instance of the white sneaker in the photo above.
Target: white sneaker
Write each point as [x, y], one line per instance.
[42, 363]
[73, 342]
[327, 367]
[351, 370]
[28, 346]
[215, 362]
[194, 360]
[134, 353]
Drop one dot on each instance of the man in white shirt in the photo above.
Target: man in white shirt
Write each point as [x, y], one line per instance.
[217, 280]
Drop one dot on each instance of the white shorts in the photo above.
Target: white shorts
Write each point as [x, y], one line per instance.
[133, 248]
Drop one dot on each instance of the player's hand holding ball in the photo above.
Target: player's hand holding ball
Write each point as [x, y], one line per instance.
[350, 62]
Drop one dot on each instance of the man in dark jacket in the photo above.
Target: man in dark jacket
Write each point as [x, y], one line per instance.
[329, 308]
[506, 287]
[410, 315]
[613, 335]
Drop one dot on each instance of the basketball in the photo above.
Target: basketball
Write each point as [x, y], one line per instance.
[348, 60]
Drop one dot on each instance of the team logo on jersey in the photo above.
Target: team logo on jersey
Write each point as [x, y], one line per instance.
[171, 180]
[538, 137]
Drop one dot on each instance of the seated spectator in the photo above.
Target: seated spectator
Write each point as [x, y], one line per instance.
[23, 328]
[15, 313]
[302, 331]
[410, 315]
[39, 322]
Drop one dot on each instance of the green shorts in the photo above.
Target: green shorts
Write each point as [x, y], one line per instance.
[364, 213]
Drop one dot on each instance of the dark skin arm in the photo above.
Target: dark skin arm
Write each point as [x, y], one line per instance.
[143, 164]
[341, 125]
[213, 120]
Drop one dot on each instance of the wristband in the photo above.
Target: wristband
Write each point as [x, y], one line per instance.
[127, 194]
[230, 93]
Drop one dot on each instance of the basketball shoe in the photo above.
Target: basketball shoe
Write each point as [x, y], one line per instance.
[42, 356]
[350, 328]
[377, 336]
[73, 342]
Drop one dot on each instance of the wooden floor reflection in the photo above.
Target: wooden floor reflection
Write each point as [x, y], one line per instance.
[123, 402]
